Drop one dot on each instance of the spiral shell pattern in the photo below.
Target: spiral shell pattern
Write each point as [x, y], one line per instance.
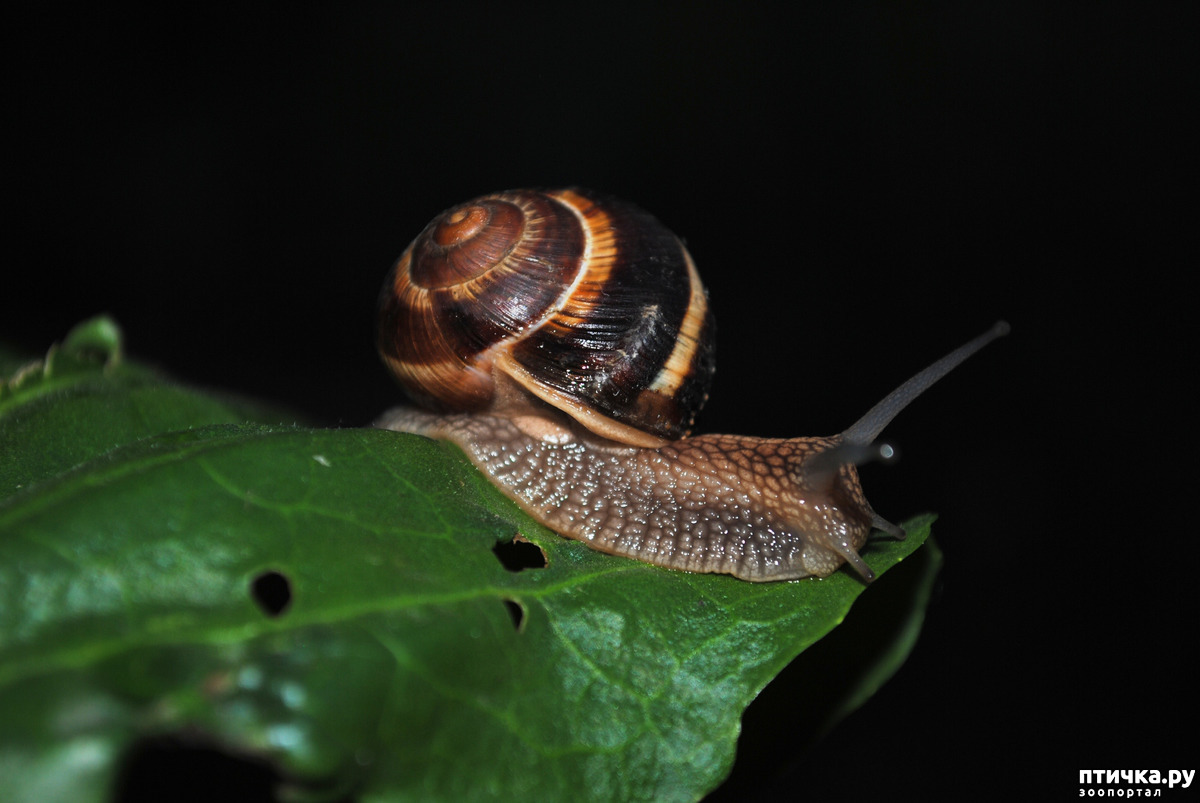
[586, 301]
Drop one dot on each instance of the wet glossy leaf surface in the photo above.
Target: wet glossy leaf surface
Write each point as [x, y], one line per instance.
[333, 600]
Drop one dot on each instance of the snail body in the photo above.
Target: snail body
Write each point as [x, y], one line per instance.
[563, 340]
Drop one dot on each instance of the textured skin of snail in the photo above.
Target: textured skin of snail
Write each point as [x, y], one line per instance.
[710, 503]
[563, 340]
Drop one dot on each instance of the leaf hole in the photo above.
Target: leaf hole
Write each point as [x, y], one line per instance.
[272, 592]
[519, 554]
[516, 612]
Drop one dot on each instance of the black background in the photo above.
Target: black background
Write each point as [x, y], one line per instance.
[863, 185]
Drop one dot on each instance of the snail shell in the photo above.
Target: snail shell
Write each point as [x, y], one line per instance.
[590, 305]
[563, 340]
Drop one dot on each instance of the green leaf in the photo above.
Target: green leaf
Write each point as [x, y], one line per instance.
[142, 521]
[83, 400]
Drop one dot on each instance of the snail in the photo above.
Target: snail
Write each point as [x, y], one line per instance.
[563, 340]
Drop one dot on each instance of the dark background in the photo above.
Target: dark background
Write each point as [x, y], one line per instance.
[863, 185]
